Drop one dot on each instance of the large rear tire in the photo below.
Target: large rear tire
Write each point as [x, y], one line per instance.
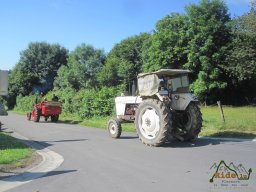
[187, 125]
[54, 118]
[46, 118]
[152, 121]
[114, 128]
[36, 114]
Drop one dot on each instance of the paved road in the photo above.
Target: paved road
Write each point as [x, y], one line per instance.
[94, 162]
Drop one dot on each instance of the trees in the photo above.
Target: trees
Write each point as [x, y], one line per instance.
[168, 45]
[124, 61]
[197, 41]
[83, 65]
[242, 55]
[222, 56]
[208, 24]
[36, 69]
[241, 58]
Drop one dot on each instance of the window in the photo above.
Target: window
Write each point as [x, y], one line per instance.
[179, 84]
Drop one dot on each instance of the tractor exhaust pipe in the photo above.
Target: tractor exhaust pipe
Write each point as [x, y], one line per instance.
[133, 88]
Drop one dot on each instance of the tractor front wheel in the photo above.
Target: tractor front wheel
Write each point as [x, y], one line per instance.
[152, 121]
[29, 116]
[114, 128]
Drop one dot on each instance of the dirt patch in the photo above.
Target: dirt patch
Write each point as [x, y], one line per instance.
[7, 170]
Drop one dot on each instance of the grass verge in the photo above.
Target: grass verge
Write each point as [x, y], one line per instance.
[239, 122]
[13, 153]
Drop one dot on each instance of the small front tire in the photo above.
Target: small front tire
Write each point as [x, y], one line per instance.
[29, 116]
[114, 128]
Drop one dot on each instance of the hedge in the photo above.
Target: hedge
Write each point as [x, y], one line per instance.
[83, 103]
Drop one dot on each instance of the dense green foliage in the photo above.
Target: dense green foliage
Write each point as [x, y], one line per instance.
[167, 47]
[89, 102]
[36, 69]
[208, 23]
[194, 41]
[83, 103]
[124, 61]
[219, 50]
[83, 65]
[25, 103]
[241, 58]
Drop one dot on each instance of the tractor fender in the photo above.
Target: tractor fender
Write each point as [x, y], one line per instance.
[180, 101]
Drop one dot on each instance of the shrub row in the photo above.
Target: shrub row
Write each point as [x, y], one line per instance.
[83, 103]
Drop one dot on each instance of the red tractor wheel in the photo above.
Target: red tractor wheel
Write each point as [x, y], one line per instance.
[36, 114]
[54, 118]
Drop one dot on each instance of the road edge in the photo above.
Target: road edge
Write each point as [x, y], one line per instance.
[227, 138]
[51, 160]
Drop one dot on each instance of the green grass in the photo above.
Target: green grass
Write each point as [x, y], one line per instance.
[95, 122]
[101, 122]
[239, 122]
[12, 151]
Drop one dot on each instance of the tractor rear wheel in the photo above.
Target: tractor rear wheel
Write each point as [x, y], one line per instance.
[187, 124]
[54, 118]
[152, 121]
[36, 114]
[114, 128]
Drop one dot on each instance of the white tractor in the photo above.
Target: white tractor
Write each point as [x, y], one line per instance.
[164, 108]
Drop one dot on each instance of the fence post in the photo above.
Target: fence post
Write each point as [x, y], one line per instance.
[221, 112]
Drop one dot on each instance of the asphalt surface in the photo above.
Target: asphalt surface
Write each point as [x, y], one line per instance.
[95, 162]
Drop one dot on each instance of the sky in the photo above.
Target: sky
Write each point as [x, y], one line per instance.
[100, 23]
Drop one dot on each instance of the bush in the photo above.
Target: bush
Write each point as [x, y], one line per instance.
[25, 104]
[89, 102]
[84, 103]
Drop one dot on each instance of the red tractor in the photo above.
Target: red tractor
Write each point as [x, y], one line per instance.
[47, 109]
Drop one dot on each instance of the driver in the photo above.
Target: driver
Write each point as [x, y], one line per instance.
[162, 88]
